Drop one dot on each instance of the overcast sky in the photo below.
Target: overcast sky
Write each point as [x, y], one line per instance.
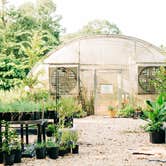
[145, 19]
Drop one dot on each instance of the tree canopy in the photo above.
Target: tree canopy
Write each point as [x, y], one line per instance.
[27, 33]
[95, 27]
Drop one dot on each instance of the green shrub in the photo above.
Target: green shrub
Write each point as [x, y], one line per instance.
[51, 143]
[68, 138]
[110, 108]
[19, 106]
[126, 112]
[37, 96]
[40, 145]
[50, 104]
[67, 107]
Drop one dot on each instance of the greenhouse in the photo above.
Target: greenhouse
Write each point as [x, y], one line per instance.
[112, 68]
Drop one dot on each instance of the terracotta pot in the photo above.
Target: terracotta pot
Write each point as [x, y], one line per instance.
[112, 113]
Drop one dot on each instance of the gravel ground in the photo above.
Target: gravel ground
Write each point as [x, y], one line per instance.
[108, 141]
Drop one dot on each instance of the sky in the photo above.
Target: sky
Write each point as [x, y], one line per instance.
[144, 19]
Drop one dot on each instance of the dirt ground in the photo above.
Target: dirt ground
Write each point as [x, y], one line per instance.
[108, 141]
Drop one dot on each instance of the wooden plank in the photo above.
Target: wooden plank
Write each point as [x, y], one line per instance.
[41, 122]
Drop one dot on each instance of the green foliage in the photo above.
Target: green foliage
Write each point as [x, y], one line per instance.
[51, 143]
[19, 106]
[40, 145]
[80, 114]
[74, 138]
[38, 96]
[11, 72]
[25, 38]
[67, 107]
[126, 112]
[9, 96]
[50, 105]
[95, 27]
[52, 128]
[110, 108]
[160, 80]
[100, 27]
[155, 114]
[69, 138]
[10, 139]
[30, 81]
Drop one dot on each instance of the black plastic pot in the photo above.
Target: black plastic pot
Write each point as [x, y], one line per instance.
[1, 157]
[157, 137]
[26, 116]
[51, 114]
[18, 155]
[6, 116]
[63, 152]
[8, 158]
[36, 115]
[41, 153]
[49, 133]
[15, 116]
[53, 152]
[75, 150]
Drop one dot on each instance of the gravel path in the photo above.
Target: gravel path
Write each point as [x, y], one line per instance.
[108, 141]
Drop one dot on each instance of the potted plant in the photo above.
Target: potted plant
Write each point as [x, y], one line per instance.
[112, 111]
[50, 130]
[67, 141]
[74, 140]
[29, 151]
[52, 149]
[8, 154]
[138, 112]
[156, 116]
[40, 150]
[16, 147]
[66, 108]
[7, 148]
[18, 154]
[63, 150]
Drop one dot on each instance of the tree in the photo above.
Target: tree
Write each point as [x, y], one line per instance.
[95, 27]
[12, 71]
[25, 37]
[35, 48]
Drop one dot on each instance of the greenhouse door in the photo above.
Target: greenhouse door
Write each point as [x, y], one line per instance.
[106, 91]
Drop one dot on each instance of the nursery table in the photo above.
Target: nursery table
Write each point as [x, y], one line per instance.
[41, 124]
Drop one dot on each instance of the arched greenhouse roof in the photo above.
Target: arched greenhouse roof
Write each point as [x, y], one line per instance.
[105, 49]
